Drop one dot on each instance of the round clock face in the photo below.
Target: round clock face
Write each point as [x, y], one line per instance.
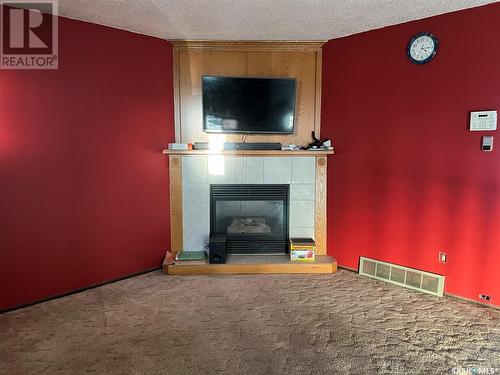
[422, 48]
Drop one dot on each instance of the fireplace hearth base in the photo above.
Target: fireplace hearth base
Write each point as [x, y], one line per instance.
[256, 264]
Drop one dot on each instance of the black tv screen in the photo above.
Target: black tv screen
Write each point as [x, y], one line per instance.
[248, 105]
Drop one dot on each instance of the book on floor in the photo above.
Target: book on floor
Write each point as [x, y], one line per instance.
[190, 262]
[190, 255]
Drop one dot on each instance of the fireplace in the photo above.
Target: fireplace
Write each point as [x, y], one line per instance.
[254, 218]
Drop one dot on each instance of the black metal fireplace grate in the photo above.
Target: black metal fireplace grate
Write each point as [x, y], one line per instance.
[264, 204]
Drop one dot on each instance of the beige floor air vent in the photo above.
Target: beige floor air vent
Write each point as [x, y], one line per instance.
[408, 277]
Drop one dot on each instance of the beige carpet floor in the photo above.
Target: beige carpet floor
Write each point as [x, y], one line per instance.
[249, 324]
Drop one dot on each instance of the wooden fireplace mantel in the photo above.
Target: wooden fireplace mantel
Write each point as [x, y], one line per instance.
[250, 152]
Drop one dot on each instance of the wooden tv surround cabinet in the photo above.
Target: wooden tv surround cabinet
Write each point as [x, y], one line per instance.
[191, 171]
[193, 59]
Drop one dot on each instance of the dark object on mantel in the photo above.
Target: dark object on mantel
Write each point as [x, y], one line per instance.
[217, 248]
[316, 143]
[240, 146]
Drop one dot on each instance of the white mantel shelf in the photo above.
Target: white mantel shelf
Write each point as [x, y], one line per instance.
[250, 152]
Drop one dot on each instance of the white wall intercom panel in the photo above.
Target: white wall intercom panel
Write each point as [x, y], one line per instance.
[483, 121]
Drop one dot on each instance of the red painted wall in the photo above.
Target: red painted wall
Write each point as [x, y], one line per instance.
[408, 179]
[83, 183]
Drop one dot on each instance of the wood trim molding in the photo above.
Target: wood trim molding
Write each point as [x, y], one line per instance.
[248, 45]
[317, 102]
[249, 152]
[320, 211]
[177, 96]
[176, 221]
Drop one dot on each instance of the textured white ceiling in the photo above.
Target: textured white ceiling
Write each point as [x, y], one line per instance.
[255, 19]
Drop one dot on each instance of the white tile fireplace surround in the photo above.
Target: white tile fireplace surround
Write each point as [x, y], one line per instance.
[198, 172]
[192, 173]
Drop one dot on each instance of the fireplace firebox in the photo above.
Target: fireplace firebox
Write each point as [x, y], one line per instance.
[254, 218]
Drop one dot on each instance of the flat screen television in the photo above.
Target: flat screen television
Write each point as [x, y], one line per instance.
[248, 105]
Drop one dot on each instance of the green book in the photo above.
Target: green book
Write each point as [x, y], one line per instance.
[190, 255]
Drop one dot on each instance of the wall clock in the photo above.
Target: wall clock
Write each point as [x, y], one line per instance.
[422, 48]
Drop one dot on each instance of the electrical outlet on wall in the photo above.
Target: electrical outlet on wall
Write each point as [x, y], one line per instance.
[442, 257]
[486, 297]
